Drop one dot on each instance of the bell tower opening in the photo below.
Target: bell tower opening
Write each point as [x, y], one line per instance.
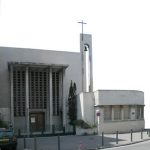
[87, 64]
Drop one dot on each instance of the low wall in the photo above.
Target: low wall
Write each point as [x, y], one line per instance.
[81, 131]
[122, 126]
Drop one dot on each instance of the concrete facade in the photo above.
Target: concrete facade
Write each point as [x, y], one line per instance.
[120, 110]
[85, 107]
[69, 64]
[35, 84]
[87, 62]
[119, 97]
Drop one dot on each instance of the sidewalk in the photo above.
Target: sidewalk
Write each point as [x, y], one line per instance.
[124, 139]
[88, 142]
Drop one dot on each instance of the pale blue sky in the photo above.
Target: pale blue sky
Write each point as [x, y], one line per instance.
[120, 29]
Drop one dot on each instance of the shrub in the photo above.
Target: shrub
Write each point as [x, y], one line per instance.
[82, 124]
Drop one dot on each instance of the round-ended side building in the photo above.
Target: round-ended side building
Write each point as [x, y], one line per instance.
[113, 110]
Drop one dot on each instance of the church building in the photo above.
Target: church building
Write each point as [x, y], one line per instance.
[34, 88]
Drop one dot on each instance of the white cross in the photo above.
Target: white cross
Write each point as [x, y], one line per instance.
[82, 27]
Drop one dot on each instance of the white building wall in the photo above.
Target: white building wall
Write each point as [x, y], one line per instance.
[37, 56]
[5, 114]
[85, 107]
[133, 113]
[80, 106]
[112, 98]
[21, 124]
[121, 126]
[119, 97]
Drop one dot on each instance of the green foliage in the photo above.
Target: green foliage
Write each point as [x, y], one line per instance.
[84, 125]
[93, 126]
[72, 103]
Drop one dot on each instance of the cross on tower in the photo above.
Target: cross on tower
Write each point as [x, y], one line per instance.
[82, 27]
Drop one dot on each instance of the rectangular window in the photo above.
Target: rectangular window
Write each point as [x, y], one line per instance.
[142, 112]
[107, 112]
[19, 92]
[38, 88]
[127, 112]
[117, 112]
[138, 112]
[55, 85]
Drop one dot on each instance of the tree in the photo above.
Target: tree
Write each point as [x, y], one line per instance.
[72, 103]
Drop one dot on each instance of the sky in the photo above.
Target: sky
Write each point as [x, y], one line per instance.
[120, 36]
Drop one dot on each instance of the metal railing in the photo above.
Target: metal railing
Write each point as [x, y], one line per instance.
[53, 130]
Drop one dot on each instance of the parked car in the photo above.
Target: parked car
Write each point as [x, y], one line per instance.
[7, 139]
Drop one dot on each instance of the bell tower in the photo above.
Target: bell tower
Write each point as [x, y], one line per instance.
[87, 63]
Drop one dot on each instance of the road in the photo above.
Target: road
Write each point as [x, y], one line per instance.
[139, 146]
[73, 142]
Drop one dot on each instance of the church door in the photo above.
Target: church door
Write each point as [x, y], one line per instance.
[37, 122]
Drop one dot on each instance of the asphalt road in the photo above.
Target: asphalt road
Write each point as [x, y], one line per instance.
[78, 142]
[138, 146]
